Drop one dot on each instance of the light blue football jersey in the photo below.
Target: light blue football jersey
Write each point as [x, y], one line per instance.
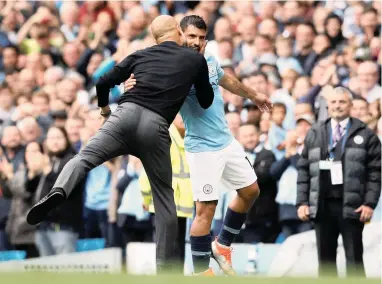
[206, 129]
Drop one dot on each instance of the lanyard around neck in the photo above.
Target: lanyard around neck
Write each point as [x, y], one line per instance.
[345, 137]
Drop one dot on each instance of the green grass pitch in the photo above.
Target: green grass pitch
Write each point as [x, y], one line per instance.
[66, 278]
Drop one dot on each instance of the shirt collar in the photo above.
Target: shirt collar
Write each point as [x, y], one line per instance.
[168, 42]
[343, 123]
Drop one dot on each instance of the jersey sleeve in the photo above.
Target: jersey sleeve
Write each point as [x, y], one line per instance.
[219, 69]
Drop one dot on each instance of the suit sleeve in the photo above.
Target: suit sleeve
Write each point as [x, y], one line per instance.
[373, 171]
[204, 91]
[303, 178]
[117, 75]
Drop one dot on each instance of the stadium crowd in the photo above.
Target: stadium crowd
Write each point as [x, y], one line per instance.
[53, 52]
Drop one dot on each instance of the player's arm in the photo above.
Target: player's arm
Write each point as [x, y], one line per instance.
[236, 87]
[233, 85]
[115, 76]
[204, 91]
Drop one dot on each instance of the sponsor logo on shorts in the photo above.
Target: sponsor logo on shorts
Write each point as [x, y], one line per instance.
[207, 189]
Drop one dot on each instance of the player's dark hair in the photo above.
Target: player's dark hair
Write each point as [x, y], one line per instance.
[193, 20]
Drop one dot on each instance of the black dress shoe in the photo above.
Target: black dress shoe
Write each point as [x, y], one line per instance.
[41, 209]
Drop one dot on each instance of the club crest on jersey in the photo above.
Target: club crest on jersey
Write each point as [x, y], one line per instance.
[211, 69]
[207, 189]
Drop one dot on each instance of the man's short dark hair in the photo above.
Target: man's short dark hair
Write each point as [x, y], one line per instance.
[257, 129]
[193, 20]
[310, 25]
[14, 47]
[259, 73]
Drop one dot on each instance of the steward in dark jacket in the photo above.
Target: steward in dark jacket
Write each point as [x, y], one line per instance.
[361, 162]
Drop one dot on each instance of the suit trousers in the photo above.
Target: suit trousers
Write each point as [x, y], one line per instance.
[133, 129]
[328, 225]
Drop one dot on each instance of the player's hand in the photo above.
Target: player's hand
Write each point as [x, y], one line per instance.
[130, 83]
[303, 212]
[366, 213]
[263, 102]
[203, 49]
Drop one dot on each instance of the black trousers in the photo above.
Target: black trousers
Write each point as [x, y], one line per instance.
[135, 130]
[31, 250]
[329, 224]
[135, 231]
[180, 251]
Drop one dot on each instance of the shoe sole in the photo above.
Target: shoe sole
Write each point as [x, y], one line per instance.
[227, 269]
[38, 212]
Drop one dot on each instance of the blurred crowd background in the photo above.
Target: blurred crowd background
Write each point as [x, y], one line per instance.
[53, 52]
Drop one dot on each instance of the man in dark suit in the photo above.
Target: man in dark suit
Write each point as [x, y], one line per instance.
[339, 182]
[261, 224]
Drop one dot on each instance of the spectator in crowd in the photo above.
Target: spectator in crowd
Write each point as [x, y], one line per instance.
[284, 48]
[133, 218]
[247, 30]
[30, 130]
[73, 126]
[261, 224]
[360, 109]
[57, 235]
[6, 103]
[13, 181]
[285, 171]
[333, 25]
[305, 34]
[339, 199]
[277, 134]
[234, 122]
[368, 81]
[5, 205]
[253, 113]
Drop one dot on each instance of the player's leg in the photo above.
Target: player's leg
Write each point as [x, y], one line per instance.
[237, 212]
[238, 173]
[205, 172]
[106, 144]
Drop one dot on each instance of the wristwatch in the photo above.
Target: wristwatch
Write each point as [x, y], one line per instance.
[106, 114]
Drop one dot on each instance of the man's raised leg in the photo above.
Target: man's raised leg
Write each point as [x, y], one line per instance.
[105, 145]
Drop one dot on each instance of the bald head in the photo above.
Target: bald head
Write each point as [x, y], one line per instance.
[165, 28]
